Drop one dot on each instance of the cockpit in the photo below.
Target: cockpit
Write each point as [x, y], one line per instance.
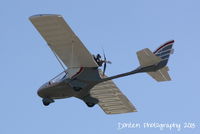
[60, 77]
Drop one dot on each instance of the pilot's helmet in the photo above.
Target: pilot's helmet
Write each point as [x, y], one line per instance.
[98, 56]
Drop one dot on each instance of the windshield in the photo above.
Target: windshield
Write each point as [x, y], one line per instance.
[59, 77]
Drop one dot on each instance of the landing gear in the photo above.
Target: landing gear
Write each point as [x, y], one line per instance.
[47, 101]
[90, 104]
[90, 101]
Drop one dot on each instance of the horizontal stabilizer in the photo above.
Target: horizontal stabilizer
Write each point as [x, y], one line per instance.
[161, 74]
[147, 58]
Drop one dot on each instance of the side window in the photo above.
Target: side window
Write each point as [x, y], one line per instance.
[58, 78]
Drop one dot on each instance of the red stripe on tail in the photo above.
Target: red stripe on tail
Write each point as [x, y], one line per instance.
[170, 42]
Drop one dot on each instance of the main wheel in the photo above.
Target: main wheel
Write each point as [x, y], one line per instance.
[47, 101]
[90, 104]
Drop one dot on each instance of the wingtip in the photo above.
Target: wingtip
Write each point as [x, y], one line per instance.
[43, 15]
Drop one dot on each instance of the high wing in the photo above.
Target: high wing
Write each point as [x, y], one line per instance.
[111, 99]
[62, 40]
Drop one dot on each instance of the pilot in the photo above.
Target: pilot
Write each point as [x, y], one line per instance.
[98, 59]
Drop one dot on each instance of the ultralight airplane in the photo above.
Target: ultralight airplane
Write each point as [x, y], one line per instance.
[83, 79]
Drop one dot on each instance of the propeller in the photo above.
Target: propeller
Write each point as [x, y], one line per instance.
[105, 62]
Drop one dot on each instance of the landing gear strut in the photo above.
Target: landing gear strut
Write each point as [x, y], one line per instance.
[47, 101]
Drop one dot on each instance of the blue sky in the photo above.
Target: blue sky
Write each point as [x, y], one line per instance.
[121, 28]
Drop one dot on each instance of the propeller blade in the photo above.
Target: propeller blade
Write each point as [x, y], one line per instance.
[104, 68]
[109, 62]
[105, 62]
[104, 56]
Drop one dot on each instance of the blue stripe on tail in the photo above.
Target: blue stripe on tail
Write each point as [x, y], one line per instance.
[164, 51]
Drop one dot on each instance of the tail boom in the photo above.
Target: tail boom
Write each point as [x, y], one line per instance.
[153, 63]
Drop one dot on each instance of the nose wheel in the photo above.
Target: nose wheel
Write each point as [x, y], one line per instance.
[47, 101]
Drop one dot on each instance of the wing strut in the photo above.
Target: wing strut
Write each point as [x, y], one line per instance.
[59, 61]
